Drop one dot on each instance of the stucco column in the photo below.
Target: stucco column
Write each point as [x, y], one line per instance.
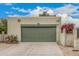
[59, 34]
[76, 40]
[63, 38]
[69, 39]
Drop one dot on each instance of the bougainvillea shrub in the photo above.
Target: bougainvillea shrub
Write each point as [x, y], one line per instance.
[68, 28]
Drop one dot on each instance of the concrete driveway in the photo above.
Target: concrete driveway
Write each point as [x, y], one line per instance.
[30, 49]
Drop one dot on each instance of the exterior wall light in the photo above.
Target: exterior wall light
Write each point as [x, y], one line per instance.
[19, 20]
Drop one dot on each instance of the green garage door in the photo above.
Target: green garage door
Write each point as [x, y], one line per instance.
[38, 34]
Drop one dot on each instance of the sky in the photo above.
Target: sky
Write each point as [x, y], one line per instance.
[34, 9]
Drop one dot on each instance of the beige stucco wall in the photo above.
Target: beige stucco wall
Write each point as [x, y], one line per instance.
[14, 27]
[76, 40]
[62, 38]
[67, 39]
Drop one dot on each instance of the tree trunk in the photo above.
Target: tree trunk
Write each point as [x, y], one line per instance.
[2, 36]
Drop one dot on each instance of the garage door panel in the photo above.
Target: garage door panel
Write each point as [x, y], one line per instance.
[38, 34]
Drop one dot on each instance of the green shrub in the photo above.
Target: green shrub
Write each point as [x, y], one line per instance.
[11, 39]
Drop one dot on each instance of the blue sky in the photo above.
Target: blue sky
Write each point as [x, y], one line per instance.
[27, 9]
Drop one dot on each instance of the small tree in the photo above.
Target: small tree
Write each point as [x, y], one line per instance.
[4, 25]
[3, 28]
[68, 27]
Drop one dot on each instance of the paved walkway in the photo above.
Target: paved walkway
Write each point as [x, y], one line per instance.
[30, 49]
[68, 51]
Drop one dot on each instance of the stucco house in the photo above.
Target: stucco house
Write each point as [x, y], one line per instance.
[41, 29]
[35, 29]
